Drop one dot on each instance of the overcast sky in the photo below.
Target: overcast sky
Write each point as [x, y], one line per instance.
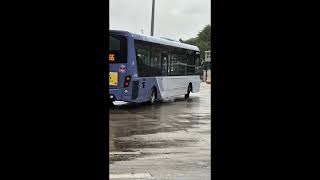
[173, 18]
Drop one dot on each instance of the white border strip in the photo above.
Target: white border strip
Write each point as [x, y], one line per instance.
[124, 153]
[130, 176]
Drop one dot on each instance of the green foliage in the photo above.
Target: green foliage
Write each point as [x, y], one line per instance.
[203, 40]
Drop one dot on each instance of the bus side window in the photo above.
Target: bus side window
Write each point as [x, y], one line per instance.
[164, 62]
[174, 65]
[191, 64]
[183, 64]
[155, 61]
[142, 60]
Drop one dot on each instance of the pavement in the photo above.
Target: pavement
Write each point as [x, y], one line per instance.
[168, 140]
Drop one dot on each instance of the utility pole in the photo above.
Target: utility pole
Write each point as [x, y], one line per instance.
[152, 18]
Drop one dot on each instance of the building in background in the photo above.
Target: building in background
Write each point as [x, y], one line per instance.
[207, 67]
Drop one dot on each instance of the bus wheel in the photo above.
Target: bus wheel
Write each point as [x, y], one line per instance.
[186, 96]
[153, 96]
[111, 104]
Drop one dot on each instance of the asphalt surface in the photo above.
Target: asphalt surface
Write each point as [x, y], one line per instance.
[168, 140]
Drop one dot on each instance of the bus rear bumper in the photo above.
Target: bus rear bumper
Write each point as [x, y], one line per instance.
[118, 95]
[112, 98]
[115, 95]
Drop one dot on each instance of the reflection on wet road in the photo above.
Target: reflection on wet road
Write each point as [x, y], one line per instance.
[169, 140]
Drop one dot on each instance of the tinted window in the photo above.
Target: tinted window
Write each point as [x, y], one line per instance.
[174, 65]
[164, 61]
[161, 60]
[183, 60]
[197, 64]
[143, 62]
[148, 59]
[117, 49]
[191, 64]
[155, 61]
[143, 58]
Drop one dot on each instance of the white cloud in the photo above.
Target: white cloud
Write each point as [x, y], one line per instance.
[173, 18]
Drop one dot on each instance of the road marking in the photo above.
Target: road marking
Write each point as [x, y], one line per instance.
[124, 153]
[129, 175]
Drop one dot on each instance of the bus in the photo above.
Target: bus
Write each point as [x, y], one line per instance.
[149, 69]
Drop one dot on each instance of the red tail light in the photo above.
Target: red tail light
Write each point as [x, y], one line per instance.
[127, 81]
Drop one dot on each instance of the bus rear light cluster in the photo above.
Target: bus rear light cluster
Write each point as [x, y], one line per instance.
[127, 81]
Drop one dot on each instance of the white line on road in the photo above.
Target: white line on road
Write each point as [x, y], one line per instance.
[130, 176]
[124, 153]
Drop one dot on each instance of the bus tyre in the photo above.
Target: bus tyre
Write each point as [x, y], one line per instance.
[186, 96]
[153, 96]
[111, 104]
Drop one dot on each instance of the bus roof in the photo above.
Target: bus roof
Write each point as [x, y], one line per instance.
[157, 40]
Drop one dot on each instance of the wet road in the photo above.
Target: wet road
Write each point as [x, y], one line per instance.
[169, 140]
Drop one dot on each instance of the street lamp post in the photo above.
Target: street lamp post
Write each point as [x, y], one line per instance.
[152, 18]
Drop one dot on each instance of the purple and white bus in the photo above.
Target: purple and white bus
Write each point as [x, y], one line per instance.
[148, 69]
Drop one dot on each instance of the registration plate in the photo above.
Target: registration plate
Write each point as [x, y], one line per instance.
[113, 78]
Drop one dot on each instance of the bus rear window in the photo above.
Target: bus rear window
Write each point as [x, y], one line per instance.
[117, 49]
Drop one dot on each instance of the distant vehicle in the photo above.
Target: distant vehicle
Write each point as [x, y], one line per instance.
[148, 69]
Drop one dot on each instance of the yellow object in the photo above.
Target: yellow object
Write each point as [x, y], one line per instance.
[111, 57]
[113, 78]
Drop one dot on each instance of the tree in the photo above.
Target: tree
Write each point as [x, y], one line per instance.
[203, 40]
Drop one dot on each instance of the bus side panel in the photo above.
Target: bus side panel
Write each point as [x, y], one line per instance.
[195, 80]
[145, 84]
[132, 62]
[171, 86]
[135, 89]
[167, 87]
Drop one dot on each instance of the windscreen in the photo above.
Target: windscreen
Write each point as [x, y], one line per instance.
[117, 49]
